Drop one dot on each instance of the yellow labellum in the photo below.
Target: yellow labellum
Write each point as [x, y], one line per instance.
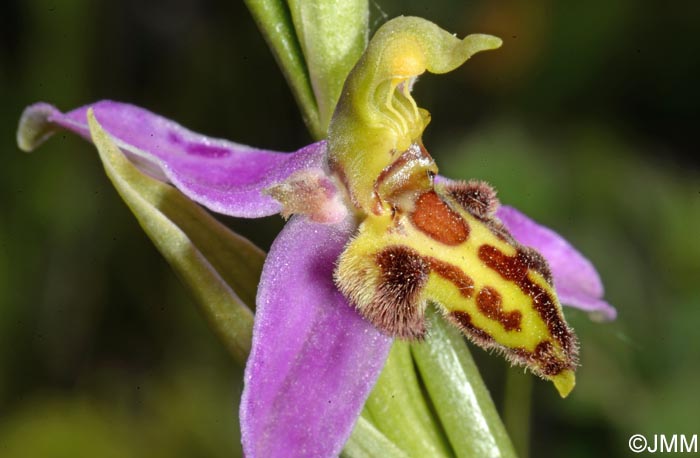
[496, 291]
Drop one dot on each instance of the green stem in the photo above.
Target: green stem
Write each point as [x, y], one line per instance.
[275, 23]
[398, 408]
[517, 409]
[332, 35]
[459, 395]
[368, 442]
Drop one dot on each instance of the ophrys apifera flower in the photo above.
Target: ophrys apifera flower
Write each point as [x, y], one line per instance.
[373, 230]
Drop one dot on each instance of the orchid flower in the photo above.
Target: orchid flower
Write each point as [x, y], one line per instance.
[374, 236]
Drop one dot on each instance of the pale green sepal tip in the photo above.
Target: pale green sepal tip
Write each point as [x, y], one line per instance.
[478, 42]
[188, 238]
[34, 128]
[564, 382]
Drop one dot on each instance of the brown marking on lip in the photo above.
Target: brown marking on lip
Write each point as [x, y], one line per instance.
[549, 364]
[538, 263]
[452, 274]
[404, 271]
[464, 322]
[515, 269]
[543, 358]
[436, 219]
[394, 308]
[520, 355]
[534, 259]
[499, 230]
[489, 303]
[476, 197]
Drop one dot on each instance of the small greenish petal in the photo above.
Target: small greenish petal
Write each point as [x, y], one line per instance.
[333, 35]
[193, 242]
[275, 23]
[398, 408]
[33, 129]
[459, 395]
[368, 442]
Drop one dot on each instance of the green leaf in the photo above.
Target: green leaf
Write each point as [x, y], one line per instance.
[275, 23]
[398, 408]
[458, 393]
[219, 266]
[368, 442]
[332, 34]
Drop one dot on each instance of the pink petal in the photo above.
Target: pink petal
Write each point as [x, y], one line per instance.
[224, 176]
[575, 279]
[314, 359]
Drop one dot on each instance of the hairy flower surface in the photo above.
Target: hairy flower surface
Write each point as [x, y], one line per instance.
[373, 230]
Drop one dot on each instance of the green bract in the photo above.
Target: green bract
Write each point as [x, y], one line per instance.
[220, 267]
[333, 35]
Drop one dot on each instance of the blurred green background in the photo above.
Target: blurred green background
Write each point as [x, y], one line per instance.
[586, 119]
